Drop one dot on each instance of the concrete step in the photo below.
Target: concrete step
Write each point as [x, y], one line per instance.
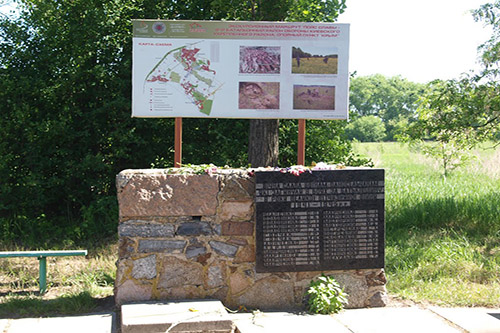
[186, 316]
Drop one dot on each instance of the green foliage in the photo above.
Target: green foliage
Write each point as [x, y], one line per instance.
[325, 142]
[489, 13]
[325, 296]
[65, 86]
[457, 115]
[392, 99]
[366, 129]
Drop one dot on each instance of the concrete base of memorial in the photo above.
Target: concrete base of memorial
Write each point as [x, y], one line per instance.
[187, 236]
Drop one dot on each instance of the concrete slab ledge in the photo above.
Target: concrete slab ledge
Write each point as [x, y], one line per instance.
[207, 316]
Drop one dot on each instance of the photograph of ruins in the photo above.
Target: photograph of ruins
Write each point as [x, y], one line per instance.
[315, 97]
[259, 95]
[260, 59]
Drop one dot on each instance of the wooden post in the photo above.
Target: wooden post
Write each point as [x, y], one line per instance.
[178, 143]
[301, 146]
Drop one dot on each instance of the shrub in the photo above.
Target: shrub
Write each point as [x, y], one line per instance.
[325, 296]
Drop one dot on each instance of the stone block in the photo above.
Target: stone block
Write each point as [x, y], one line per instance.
[138, 228]
[144, 268]
[178, 273]
[128, 291]
[153, 193]
[216, 276]
[156, 245]
[269, 294]
[236, 211]
[207, 316]
[126, 247]
[236, 188]
[238, 241]
[379, 299]
[238, 283]
[237, 228]
[245, 254]
[194, 229]
[376, 278]
[355, 286]
[195, 250]
[308, 276]
[224, 249]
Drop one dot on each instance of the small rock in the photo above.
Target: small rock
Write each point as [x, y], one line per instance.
[145, 268]
[138, 228]
[224, 249]
[194, 251]
[379, 299]
[152, 245]
[215, 277]
[194, 228]
[237, 228]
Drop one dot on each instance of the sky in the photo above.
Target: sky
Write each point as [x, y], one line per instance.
[420, 40]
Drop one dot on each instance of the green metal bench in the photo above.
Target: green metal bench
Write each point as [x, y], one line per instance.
[42, 257]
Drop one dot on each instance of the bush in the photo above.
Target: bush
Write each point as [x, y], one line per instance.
[325, 296]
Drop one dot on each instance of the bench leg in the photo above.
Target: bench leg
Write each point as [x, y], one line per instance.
[43, 275]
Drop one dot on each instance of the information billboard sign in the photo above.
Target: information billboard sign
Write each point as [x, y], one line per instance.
[223, 69]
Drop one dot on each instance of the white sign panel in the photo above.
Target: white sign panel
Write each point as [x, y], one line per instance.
[224, 69]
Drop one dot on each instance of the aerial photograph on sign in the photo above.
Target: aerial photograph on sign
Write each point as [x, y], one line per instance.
[314, 60]
[313, 97]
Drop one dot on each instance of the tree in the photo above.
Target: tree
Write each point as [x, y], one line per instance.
[263, 145]
[489, 13]
[326, 140]
[366, 129]
[456, 115]
[392, 99]
[66, 129]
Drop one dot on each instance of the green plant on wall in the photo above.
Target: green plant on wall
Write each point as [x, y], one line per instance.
[325, 296]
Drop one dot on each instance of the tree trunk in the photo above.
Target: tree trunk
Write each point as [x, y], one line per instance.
[263, 142]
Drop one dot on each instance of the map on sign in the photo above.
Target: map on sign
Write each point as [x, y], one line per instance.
[184, 69]
[224, 69]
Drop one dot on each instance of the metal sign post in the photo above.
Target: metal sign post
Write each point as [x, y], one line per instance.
[178, 143]
[301, 145]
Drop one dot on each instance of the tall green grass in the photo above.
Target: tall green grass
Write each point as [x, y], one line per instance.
[442, 235]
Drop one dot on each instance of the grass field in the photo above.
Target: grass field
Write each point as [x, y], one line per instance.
[443, 236]
[75, 284]
[442, 242]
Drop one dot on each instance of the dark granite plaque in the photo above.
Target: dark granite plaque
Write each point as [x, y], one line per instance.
[323, 220]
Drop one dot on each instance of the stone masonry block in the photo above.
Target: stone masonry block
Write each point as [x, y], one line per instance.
[236, 210]
[194, 229]
[153, 193]
[195, 250]
[237, 228]
[180, 273]
[153, 245]
[224, 249]
[138, 228]
[144, 268]
[236, 188]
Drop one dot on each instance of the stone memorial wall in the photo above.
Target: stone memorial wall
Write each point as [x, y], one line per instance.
[187, 236]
